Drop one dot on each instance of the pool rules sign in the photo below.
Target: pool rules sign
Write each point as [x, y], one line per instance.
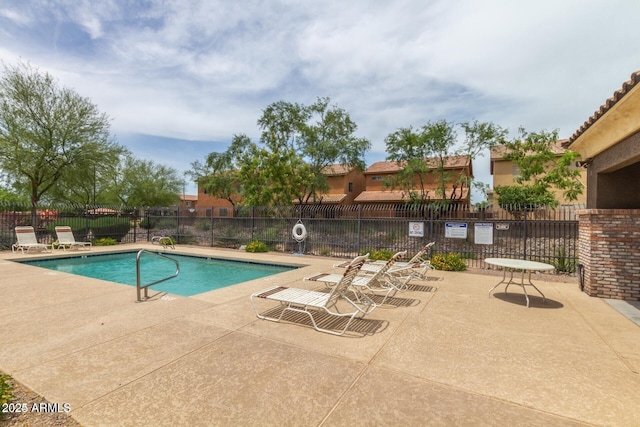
[455, 230]
[483, 233]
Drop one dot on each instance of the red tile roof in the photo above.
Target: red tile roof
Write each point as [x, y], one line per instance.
[336, 170]
[617, 96]
[451, 162]
[332, 198]
[498, 152]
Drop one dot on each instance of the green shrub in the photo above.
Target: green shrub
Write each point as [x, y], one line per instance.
[167, 241]
[448, 262]
[115, 228]
[148, 223]
[105, 241]
[256, 246]
[381, 254]
[6, 240]
[270, 233]
[562, 262]
[6, 391]
[203, 225]
[79, 226]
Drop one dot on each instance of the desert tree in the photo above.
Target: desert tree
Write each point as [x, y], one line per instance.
[428, 149]
[47, 132]
[543, 166]
[286, 165]
[138, 182]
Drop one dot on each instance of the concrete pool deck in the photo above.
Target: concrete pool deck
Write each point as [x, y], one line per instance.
[443, 353]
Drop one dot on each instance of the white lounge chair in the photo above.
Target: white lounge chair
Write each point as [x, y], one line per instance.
[317, 304]
[66, 240]
[26, 239]
[419, 264]
[386, 280]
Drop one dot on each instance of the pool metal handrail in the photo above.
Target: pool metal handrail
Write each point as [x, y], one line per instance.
[139, 286]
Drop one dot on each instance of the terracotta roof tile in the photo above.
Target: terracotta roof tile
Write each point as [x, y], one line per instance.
[337, 169]
[395, 196]
[451, 162]
[333, 198]
[381, 196]
[498, 152]
[617, 96]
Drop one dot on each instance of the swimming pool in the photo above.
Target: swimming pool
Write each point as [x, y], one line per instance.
[197, 274]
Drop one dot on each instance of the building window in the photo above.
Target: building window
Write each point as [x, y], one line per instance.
[515, 171]
[376, 178]
[350, 187]
[188, 204]
[223, 211]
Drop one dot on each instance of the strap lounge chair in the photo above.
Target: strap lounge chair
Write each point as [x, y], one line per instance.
[26, 239]
[316, 304]
[419, 265]
[67, 241]
[386, 280]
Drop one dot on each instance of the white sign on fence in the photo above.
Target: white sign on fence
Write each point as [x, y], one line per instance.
[455, 230]
[483, 233]
[416, 229]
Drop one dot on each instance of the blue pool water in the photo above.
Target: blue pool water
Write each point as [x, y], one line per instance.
[197, 274]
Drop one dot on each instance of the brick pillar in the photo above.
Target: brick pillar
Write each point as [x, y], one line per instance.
[609, 250]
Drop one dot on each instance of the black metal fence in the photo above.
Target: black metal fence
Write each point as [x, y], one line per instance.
[535, 233]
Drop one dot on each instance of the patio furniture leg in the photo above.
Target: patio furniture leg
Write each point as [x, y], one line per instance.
[504, 276]
[523, 288]
[535, 287]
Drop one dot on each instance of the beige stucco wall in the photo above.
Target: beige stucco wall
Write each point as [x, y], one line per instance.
[503, 174]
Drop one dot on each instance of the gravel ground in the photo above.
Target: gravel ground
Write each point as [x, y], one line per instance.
[37, 413]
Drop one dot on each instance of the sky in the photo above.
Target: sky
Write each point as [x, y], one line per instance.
[179, 78]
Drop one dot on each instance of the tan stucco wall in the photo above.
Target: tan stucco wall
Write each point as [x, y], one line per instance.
[503, 175]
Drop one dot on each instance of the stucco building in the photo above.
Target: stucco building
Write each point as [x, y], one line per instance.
[609, 236]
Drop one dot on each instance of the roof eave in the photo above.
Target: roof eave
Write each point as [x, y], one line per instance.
[611, 123]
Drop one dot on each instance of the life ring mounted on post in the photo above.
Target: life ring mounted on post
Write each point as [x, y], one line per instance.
[299, 232]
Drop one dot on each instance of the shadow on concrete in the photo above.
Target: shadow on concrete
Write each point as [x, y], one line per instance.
[359, 327]
[535, 301]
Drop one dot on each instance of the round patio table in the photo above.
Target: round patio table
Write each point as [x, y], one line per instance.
[511, 265]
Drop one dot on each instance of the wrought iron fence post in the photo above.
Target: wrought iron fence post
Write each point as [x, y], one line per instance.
[253, 221]
[135, 225]
[359, 228]
[86, 220]
[524, 254]
[178, 223]
[430, 221]
[212, 225]
[146, 217]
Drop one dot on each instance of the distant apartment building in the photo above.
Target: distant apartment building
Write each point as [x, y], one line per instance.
[348, 186]
[505, 172]
[345, 183]
[380, 173]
